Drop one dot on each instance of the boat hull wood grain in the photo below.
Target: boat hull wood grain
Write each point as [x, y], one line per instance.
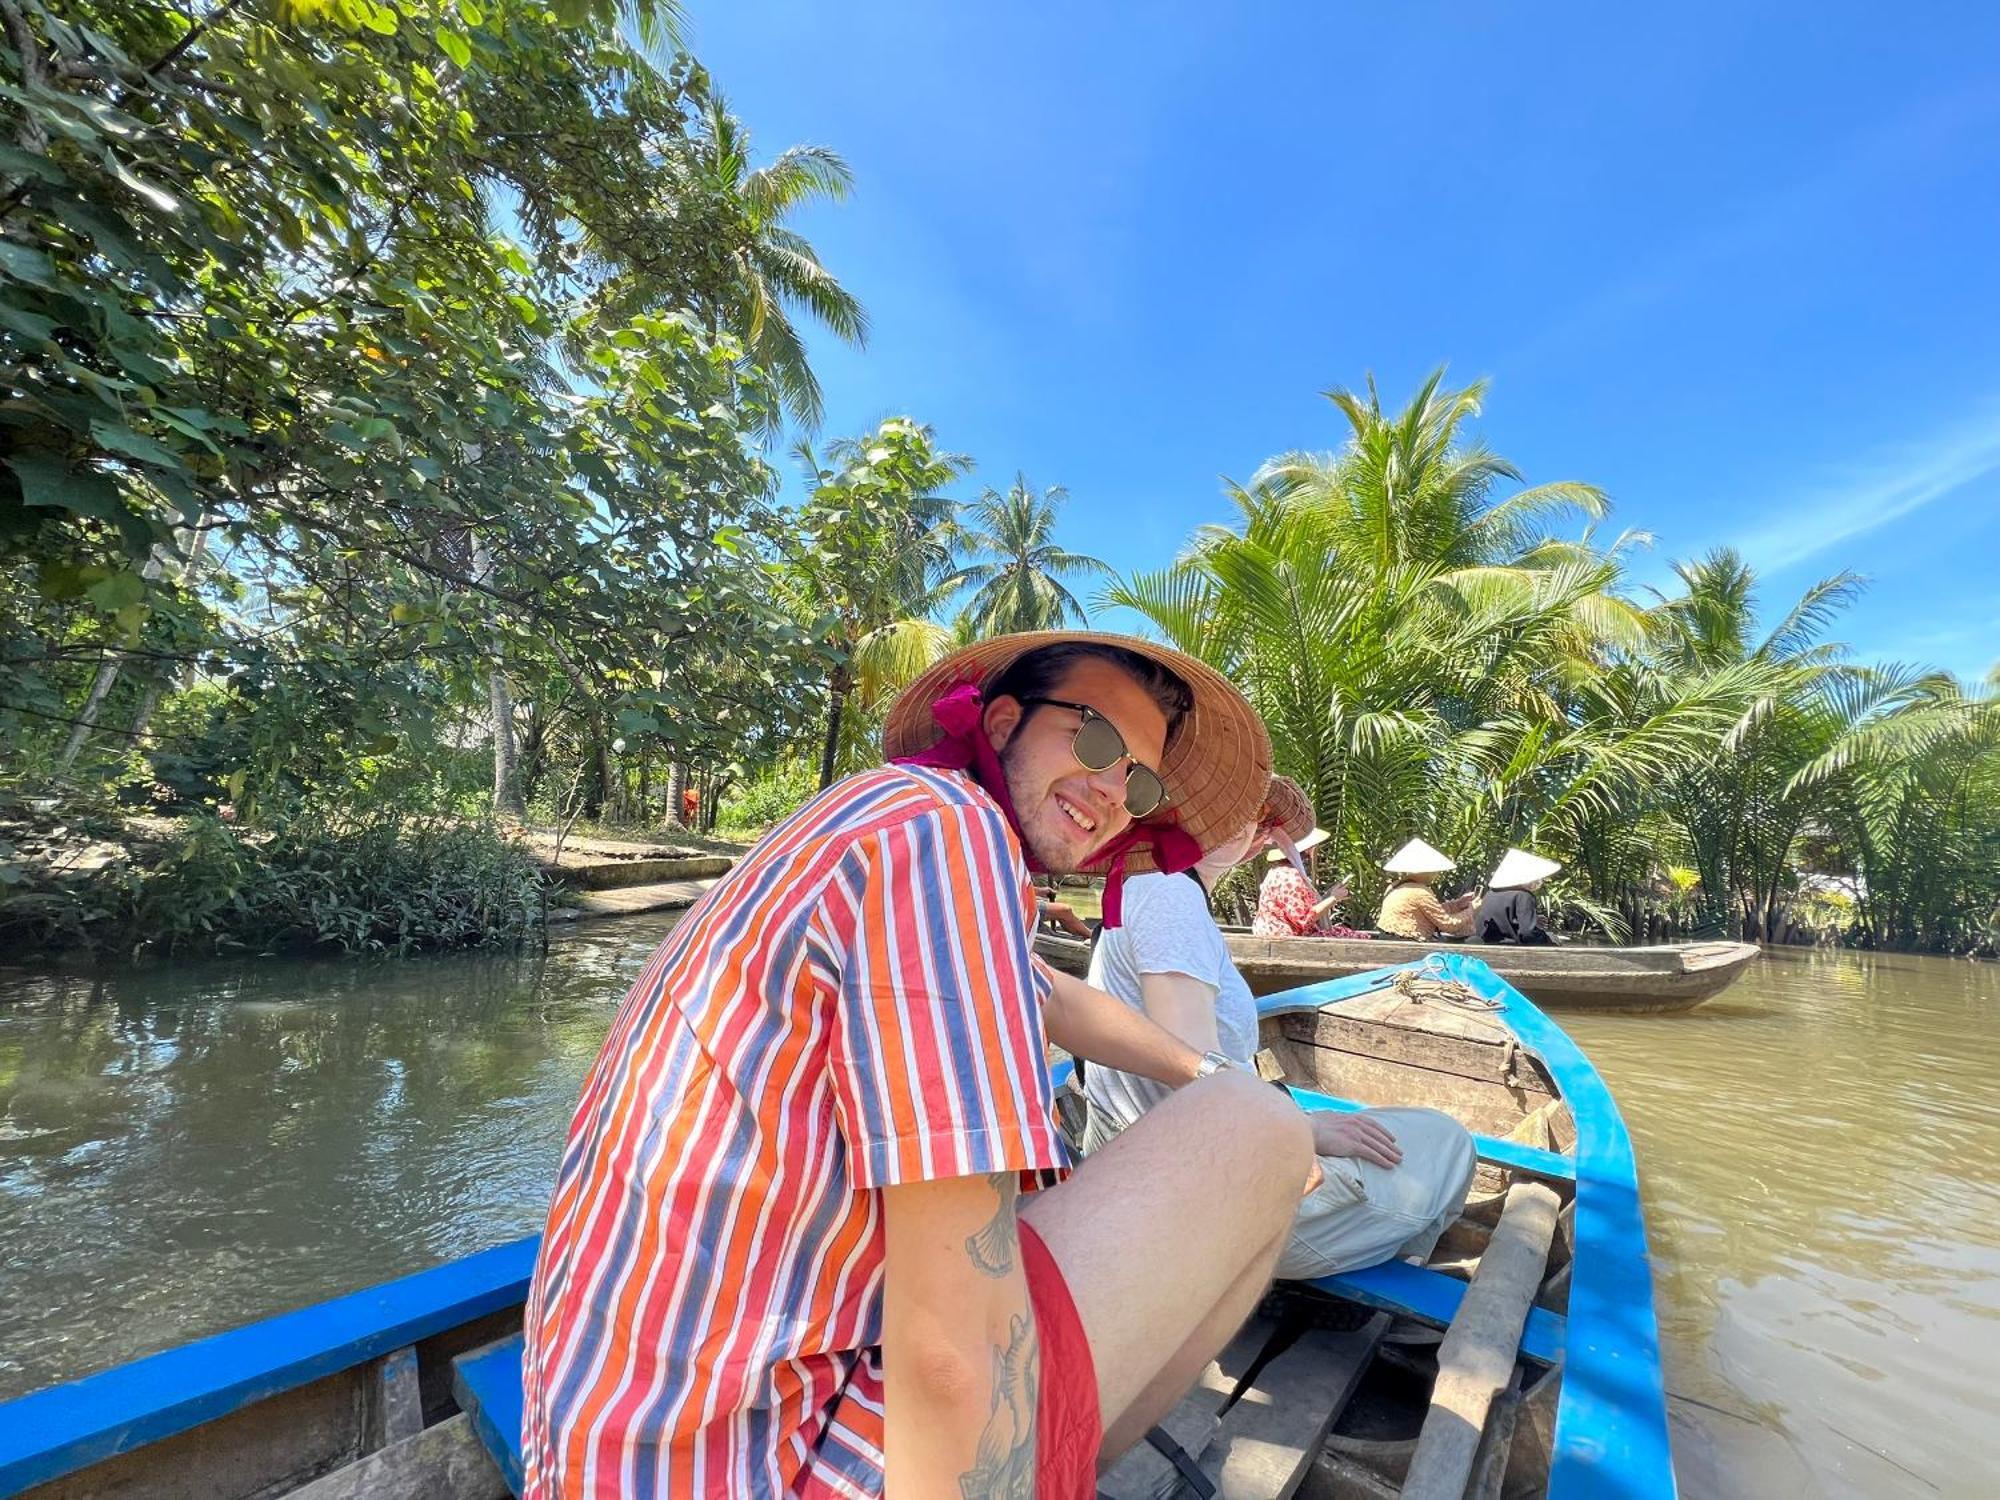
[1675, 976]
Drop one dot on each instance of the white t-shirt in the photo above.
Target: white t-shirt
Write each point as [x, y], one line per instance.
[1167, 930]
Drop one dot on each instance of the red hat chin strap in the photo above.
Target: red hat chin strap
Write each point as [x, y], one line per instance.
[960, 714]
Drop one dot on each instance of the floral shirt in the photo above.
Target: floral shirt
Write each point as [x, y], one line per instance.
[1285, 905]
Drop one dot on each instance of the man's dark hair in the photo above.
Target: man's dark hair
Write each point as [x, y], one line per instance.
[1037, 673]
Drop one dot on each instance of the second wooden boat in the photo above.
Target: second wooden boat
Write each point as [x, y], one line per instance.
[1672, 976]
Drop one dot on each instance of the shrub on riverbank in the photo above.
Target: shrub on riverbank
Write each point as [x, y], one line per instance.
[773, 796]
[385, 884]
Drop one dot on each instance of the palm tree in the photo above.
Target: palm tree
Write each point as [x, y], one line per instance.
[1017, 571]
[1908, 788]
[1740, 807]
[1407, 488]
[1405, 699]
[1424, 656]
[772, 272]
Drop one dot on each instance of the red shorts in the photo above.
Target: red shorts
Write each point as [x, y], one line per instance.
[1069, 1429]
[847, 1453]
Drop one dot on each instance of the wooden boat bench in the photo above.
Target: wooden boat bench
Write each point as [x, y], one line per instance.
[1253, 1423]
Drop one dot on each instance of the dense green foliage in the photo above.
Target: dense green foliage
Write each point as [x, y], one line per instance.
[385, 390]
[387, 883]
[310, 473]
[1431, 661]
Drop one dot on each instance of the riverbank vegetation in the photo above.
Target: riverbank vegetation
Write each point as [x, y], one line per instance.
[1435, 656]
[396, 403]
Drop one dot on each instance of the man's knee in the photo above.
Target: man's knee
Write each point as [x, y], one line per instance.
[1267, 1132]
[1439, 1149]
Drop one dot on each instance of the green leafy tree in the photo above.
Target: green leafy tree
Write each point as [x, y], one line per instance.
[295, 432]
[871, 563]
[1017, 572]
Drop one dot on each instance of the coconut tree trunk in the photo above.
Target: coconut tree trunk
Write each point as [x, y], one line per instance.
[507, 795]
[838, 687]
[86, 719]
[101, 686]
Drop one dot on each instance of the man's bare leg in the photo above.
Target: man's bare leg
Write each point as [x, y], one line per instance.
[1166, 1237]
[1177, 1376]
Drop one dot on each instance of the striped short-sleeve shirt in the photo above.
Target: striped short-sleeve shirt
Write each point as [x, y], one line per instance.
[852, 1007]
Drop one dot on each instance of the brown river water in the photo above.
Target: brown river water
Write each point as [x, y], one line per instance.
[186, 1147]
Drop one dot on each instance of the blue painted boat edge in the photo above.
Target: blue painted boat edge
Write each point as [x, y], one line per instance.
[487, 1383]
[1611, 1419]
[57, 1431]
[1432, 1297]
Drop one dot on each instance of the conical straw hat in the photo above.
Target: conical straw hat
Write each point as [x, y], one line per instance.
[1418, 858]
[1311, 841]
[1217, 770]
[1286, 806]
[1289, 810]
[1517, 868]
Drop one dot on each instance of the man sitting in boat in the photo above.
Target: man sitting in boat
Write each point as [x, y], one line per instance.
[787, 1253]
[1288, 904]
[1509, 912]
[1411, 909]
[1391, 1179]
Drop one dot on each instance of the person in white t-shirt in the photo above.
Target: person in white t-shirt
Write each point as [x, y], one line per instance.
[1392, 1179]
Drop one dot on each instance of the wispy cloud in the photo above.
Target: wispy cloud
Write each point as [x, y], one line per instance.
[1877, 490]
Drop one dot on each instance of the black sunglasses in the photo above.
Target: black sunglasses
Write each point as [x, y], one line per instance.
[1098, 746]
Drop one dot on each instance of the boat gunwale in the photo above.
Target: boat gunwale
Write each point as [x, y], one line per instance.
[1611, 1431]
[1564, 961]
[60, 1429]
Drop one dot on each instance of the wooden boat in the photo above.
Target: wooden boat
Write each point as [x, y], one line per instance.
[1672, 976]
[1523, 1360]
[412, 1388]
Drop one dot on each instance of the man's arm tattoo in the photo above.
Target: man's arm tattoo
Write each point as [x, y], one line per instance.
[1005, 1465]
[992, 1249]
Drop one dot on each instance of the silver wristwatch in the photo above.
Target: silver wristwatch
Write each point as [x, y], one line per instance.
[1216, 1062]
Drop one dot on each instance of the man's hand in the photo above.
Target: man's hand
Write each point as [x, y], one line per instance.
[1339, 1134]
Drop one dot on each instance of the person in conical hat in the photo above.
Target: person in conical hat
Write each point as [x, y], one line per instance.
[1419, 860]
[834, 1074]
[1509, 912]
[1410, 908]
[1288, 903]
[1392, 1179]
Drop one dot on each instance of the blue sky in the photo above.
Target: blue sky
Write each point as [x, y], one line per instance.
[1739, 265]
